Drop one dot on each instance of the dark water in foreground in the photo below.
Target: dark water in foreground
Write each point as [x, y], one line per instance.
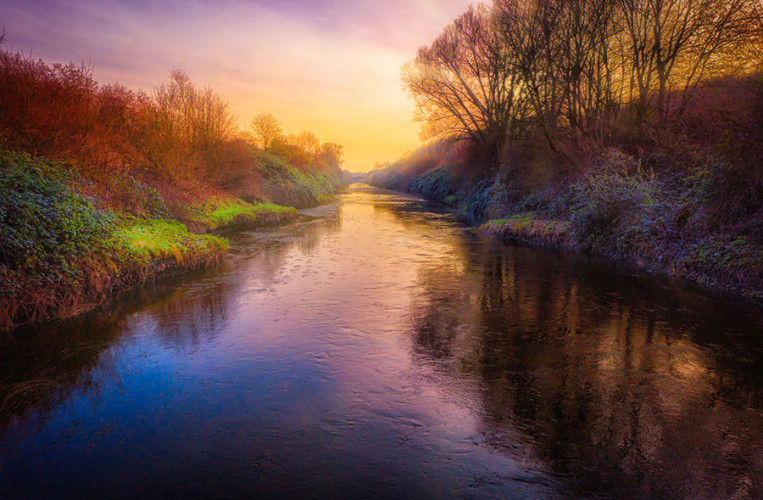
[379, 350]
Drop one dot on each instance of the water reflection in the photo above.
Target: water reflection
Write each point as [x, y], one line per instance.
[42, 365]
[378, 349]
[624, 387]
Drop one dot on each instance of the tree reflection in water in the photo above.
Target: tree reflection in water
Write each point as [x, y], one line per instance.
[43, 365]
[621, 385]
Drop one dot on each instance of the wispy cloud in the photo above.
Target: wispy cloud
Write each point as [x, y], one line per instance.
[325, 65]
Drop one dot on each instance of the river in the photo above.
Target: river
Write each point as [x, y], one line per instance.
[379, 349]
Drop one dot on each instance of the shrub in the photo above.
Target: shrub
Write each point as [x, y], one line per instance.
[617, 199]
[43, 218]
[435, 184]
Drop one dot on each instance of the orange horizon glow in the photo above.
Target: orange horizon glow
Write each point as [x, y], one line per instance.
[329, 67]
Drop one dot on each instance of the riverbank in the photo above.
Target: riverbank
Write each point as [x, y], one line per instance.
[730, 266]
[68, 246]
[105, 188]
[620, 208]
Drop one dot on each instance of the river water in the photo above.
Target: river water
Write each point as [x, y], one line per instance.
[379, 349]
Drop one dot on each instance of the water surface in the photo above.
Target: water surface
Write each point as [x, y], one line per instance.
[378, 349]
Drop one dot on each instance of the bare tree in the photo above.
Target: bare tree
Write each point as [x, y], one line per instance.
[306, 141]
[569, 70]
[266, 129]
[671, 45]
[192, 124]
[464, 84]
[562, 51]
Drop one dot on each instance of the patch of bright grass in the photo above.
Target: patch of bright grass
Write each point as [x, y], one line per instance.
[528, 224]
[325, 198]
[219, 214]
[143, 240]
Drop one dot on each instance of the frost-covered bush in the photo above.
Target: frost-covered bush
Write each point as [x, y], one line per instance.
[618, 199]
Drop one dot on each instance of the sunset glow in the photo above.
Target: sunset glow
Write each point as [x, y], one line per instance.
[327, 66]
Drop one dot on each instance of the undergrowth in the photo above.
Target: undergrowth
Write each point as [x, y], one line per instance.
[60, 253]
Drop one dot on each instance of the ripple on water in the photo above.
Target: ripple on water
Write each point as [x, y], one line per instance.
[376, 348]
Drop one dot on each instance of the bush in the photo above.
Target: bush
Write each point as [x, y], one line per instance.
[714, 201]
[435, 184]
[43, 218]
[618, 200]
[129, 195]
[59, 111]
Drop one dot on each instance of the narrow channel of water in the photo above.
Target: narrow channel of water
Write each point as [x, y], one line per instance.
[378, 349]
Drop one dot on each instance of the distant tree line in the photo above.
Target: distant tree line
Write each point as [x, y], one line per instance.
[302, 149]
[177, 130]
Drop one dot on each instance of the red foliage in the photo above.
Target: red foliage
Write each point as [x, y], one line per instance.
[58, 111]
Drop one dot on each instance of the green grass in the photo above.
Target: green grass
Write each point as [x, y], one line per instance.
[295, 187]
[133, 252]
[221, 214]
[62, 251]
[145, 240]
[528, 224]
[323, 199]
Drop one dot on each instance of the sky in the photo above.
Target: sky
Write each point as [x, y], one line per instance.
[328, 66]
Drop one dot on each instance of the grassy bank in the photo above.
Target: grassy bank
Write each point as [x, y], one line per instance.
[694, 223]
[105, 187]
[65, 246]
[230, 214]
[572, 124]
[275, 179]
[732, 265]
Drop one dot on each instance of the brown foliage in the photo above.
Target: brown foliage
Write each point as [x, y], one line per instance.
[60, 112]
[191, 128]
[291, 153]
[266, 129]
